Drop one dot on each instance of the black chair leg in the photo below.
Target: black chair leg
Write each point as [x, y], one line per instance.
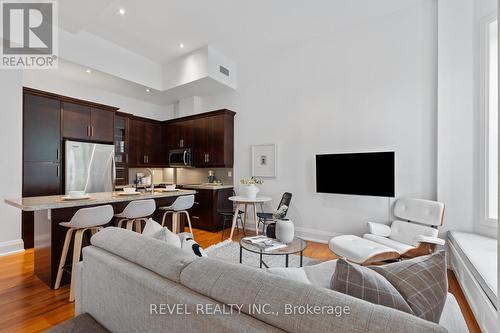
[223, 228]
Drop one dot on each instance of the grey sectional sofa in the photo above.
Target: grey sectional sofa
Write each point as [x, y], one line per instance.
[131, 283]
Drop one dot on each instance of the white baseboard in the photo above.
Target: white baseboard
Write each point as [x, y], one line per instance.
[11, 247]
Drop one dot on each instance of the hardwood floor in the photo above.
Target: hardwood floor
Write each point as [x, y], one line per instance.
[28, 305]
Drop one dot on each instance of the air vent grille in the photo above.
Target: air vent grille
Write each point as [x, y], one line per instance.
[224, 70]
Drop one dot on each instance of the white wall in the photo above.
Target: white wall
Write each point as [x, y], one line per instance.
[57, 81]
[11, 167]
[368, 88]
[459, 110]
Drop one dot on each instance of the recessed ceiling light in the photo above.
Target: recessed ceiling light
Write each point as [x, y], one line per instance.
[147, 90]
[88, 71]
[181, 45]
[121, 11]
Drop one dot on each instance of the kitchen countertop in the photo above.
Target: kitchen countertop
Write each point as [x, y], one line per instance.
[55, 201]
[206, 187]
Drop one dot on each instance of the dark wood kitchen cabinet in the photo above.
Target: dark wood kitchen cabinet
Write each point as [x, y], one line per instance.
[87, 122]
[41, 128]
[146, 143]
[214, 140]
[179, 134]
[210, 136]
[41, 152]
[102, 124]
[208, 203]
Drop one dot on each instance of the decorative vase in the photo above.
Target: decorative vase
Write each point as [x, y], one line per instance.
[285, 231]
[250, 191]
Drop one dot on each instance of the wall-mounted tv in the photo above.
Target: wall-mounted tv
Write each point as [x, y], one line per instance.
[358, 174]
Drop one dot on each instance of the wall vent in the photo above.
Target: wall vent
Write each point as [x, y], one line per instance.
[224, 70]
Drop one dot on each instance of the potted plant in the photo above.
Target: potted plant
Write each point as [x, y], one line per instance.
[250, 189]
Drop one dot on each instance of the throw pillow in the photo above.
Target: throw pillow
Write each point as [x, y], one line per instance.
[189, 244]
[422, 281]
[151, 227]
[167, 236]
[364, 283]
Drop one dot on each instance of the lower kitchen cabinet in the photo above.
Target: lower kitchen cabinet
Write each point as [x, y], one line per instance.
[205, 213]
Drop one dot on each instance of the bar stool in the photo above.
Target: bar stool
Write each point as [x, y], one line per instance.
[136, 211]
[180, 206]
[86, 218]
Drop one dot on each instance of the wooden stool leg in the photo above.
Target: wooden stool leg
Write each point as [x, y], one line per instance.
[77, 248]
[138, 225]
[130, 223]
[64, 254]
[189, 223]
[119, 225]
[175, 222]
[163, 218]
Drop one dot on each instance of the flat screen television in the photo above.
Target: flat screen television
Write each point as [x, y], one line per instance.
[369, 174]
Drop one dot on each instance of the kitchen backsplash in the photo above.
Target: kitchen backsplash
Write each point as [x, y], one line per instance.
[200, 176]
[184, 175]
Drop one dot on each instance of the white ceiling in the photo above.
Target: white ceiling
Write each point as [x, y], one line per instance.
[240, 29]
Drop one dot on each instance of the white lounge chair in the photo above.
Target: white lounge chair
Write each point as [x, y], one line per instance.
[415, 233]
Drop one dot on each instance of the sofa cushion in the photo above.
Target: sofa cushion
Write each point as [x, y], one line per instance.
[366, 284]
[250, 287]
[293, 273]
[157, 256]
[151, 227]
[167, 236]
[422, 281]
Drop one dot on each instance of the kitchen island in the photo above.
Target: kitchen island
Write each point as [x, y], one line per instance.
[49, 211]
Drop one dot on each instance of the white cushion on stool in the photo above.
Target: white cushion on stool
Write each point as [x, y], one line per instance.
[355, 248]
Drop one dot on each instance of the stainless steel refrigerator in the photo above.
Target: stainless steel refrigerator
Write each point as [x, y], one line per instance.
[89, 167]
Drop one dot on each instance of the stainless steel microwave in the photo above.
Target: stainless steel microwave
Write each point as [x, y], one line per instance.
[180, 158]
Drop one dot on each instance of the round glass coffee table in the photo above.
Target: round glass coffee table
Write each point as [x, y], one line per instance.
[296, 246]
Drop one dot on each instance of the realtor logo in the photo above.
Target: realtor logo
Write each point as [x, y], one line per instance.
[29, 32]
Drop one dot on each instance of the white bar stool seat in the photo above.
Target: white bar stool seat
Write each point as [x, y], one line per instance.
[180, 206]
[84, 219]
[136, 211]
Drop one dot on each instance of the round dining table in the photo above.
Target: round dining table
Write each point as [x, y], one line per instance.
[246, 202]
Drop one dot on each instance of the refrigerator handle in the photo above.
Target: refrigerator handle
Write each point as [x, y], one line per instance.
[113, 174]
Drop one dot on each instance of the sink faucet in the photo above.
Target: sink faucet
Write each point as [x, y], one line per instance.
[152, 187]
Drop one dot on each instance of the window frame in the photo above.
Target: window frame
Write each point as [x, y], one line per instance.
[484, 121]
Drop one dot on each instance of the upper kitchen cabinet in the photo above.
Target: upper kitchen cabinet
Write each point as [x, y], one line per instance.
[41, 128]
[146, 143]
[214, 139]
[179, 134]
[76, 121]
[101, 124]
[88, 122]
